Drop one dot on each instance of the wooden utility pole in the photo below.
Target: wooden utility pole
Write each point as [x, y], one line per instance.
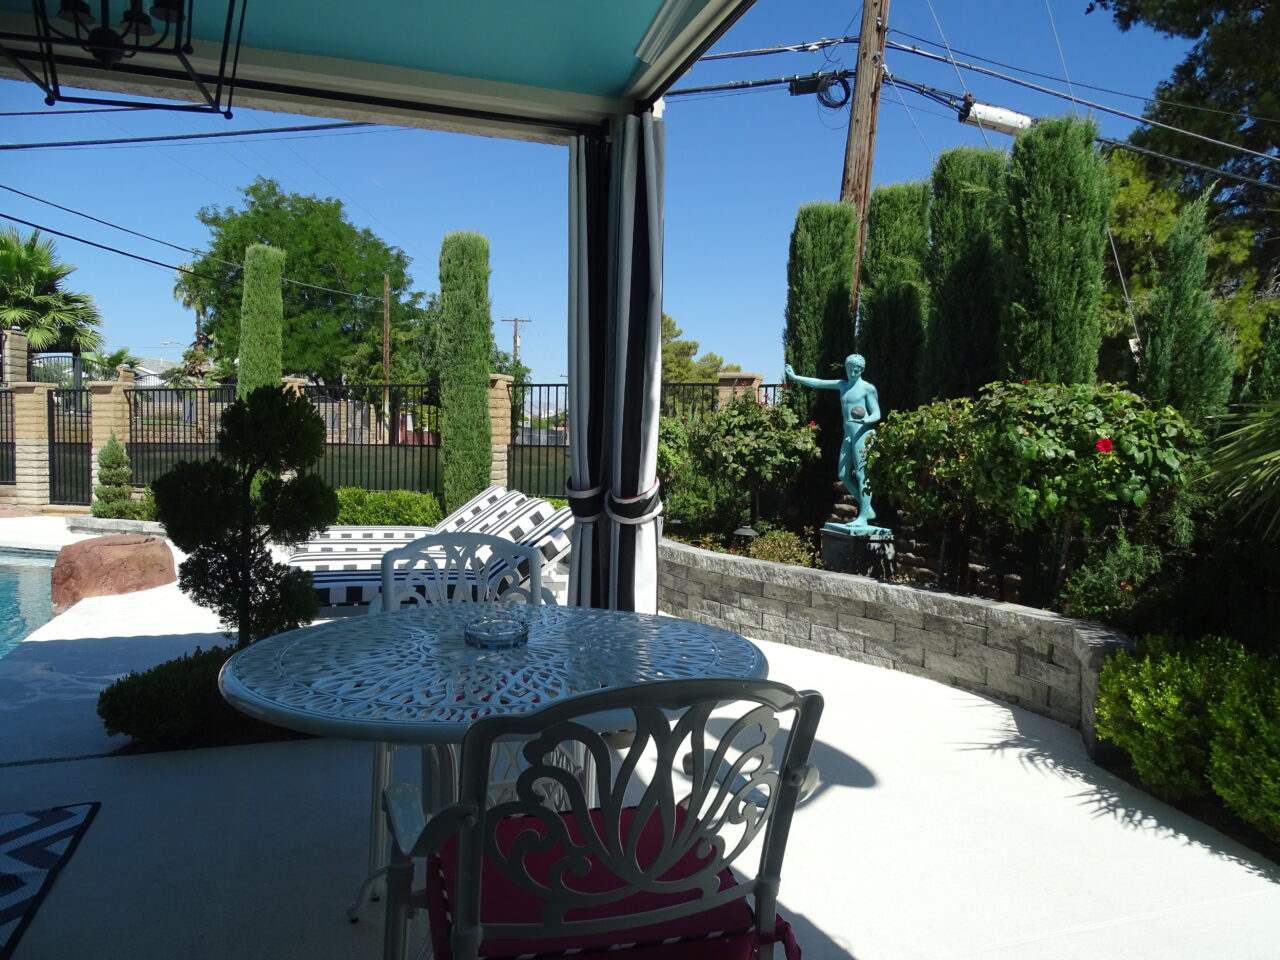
[859, 150]
[386, 349]
[515, 337]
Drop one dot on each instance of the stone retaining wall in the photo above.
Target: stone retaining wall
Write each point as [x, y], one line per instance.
[1043, 662]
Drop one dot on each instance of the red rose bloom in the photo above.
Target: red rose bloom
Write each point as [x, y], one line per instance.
[813, 423]
[1025, 382]
[1103, 445]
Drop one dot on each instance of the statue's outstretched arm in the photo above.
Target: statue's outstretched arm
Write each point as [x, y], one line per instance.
[812, 381]
[872, 405]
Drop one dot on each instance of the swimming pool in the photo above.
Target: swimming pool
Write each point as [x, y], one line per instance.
[24, 595]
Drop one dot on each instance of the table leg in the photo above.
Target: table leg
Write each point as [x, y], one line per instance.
[379, 848]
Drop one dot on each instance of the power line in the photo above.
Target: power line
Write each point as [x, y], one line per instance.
[63, 113]
[1062, 57]
[1216, 171]
[889, 79]
[811, 46]
[1087, 86]
[103, 246]
[158, 263]
[937, 23]
[1088, 103]
[184, 136]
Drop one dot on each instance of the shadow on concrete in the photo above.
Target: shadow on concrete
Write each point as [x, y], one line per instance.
[49, 691]
[1051, 748]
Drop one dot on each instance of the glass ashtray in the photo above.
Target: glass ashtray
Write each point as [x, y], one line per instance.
[496, 633]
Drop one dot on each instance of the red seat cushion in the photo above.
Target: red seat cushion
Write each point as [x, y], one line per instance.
[728, 931]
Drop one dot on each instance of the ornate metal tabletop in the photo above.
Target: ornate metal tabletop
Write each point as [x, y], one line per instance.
[409, 677]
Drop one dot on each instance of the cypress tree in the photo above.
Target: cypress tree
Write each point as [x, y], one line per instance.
[112, 496]
[1059, 206]
[819, 331]
[466, 334]
[261, 320]
[1186, 362]
[893, 304]
[966, 271]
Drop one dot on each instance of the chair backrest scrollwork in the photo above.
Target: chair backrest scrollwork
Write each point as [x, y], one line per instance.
[712, 768]
[460, 568]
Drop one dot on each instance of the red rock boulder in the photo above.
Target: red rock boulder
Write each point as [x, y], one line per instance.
[105, 566]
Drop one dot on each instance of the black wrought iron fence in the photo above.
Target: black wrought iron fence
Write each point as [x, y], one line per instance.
[538, 451]
[70, 447]
[689, 400]
[380, 436]
[771, 393]
[170, 424]
[65, 370]
[8, 460]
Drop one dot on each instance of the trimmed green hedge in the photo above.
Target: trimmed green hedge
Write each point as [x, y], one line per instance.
[373, 508]
[1199, 719]
[177, 704]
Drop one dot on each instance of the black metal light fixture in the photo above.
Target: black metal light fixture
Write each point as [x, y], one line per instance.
[111, 37]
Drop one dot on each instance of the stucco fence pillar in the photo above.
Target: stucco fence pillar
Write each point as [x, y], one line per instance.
[499, 426]
[15, 353]
[730, 385]
[1035, 659]
[108, 413]
[30, 446]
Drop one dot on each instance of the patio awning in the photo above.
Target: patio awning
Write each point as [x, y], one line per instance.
[543, 71]
[580, 72]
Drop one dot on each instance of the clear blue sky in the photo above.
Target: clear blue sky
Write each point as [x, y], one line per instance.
[738, 166]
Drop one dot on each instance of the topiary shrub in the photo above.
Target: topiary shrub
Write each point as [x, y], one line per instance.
[177, 704]
[113, 494]
[1154, 704]
[225, 512]
[360, 507]
[1244, 759]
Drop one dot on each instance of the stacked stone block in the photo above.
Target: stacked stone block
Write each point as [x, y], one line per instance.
[1035, 659]
[499, 426]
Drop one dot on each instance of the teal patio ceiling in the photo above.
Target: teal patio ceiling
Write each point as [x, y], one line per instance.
[557, 65]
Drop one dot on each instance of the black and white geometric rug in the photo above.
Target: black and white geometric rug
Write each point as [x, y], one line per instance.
[33, 848]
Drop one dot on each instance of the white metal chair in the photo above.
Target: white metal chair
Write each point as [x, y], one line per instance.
[664, 864]
[459, 568]
[452, 568]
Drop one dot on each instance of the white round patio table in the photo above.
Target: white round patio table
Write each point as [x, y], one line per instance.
[409, 677]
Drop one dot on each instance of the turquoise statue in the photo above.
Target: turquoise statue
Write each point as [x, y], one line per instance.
[860, 407]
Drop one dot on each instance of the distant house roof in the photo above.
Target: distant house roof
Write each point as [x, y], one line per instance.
[148, 369]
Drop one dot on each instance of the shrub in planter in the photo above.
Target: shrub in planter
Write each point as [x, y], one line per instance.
[1244, 759]
[783, 546]
[360, 507]
[177, 704]
[1155, 705]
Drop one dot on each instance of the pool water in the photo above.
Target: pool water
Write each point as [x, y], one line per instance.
[24, 595]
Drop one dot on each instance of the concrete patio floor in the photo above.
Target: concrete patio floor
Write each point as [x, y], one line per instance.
[948, 826]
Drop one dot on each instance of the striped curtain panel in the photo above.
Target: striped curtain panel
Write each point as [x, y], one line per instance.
[615, 360]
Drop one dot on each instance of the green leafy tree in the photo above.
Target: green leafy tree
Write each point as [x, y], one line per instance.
[261, 317]
[1185, 359]
[467, 328]
[1227, 82]
[894, 302]
[966, 271]
[678, 358]
[33, 296]
[226, 512]
[327, 334]
[1059, 205]
[1264, 381]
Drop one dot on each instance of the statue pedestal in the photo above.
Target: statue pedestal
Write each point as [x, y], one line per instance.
[866, 550]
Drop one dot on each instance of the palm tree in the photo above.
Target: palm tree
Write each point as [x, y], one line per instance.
[1245, 464]
[33, 300]
[104, 364]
